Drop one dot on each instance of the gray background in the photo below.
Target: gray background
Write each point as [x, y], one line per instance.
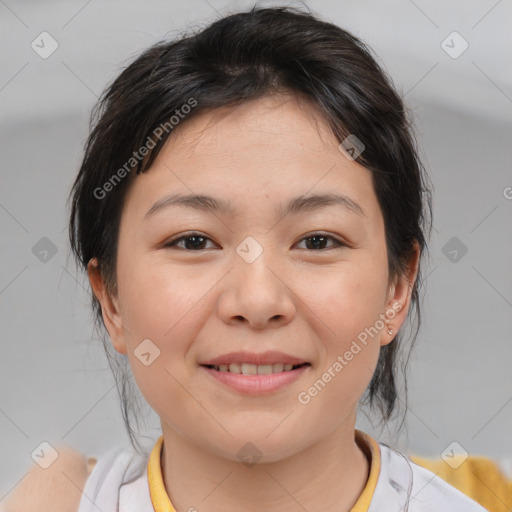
[55, 384]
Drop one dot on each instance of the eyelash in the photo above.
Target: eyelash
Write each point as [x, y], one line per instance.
[338, 243]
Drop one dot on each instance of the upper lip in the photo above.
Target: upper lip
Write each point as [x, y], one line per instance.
[270, 357]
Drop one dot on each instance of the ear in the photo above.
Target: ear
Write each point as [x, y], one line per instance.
[109, 307]
[399, 297]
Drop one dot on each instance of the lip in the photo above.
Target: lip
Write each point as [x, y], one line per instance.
[256, 384]
[270, 357]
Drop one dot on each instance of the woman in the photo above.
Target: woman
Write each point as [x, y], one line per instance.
[251, 211]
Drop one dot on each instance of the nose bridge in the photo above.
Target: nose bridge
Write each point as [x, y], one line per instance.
[252, 262]
[255, 292]
[250, 250]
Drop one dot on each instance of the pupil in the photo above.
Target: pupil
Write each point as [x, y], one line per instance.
[319, 239]
[197, 243]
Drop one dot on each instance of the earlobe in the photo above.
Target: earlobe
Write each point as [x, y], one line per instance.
[399, 297]
[109, 307]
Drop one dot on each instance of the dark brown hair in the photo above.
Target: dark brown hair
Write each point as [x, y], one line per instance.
[242, 57]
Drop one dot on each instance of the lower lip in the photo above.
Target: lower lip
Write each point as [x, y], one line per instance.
[256, 384]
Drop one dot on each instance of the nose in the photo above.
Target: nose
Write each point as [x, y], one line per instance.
[256, 293]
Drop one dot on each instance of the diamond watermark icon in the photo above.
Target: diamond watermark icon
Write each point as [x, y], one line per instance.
[249, 249]
[44, 45]
[454, 45]
[44, 250]
[249, 454]
[454, 249]
[146, 352]
[44, 455]
[351, 147]
[454, 455]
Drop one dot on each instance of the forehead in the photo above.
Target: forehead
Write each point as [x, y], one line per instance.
[271, 148]
[279, 123]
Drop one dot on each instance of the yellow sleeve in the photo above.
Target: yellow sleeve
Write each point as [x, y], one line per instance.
[480, 478]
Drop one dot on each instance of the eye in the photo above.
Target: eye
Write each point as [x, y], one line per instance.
[196, 242]
[192, 242]
[318, 241]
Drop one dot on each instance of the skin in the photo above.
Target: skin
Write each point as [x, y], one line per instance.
[305, 301]
[57, 488]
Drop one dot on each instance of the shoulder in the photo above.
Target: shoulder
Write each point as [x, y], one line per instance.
[402, 482]
[117, 468]
[56, 488]
[474, 475]
[432, 489]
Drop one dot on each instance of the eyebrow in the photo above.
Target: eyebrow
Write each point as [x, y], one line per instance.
[296, 205]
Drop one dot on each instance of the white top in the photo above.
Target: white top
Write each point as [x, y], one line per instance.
[119, 483]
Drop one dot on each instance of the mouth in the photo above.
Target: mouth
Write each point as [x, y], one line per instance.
[255, 369]
[255, 379]
[252, 373]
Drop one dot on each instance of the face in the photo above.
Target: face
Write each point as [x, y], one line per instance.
[306, 279]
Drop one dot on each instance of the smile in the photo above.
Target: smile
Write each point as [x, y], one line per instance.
[255, 379]
[255, 369]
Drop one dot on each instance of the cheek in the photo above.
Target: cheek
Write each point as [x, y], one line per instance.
[167, 305]
[161, 304]
[352, 302]
[348, 305]
[160, 301]
[350, 298]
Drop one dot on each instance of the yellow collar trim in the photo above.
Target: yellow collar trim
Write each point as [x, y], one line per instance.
[162, 503]
[372, 450]
[159, 497]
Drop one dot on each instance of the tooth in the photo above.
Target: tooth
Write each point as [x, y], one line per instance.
[234, 368]
[264, 369]
[249, 369]
[253, 369]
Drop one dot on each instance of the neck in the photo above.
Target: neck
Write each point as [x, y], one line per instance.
[329, 475]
